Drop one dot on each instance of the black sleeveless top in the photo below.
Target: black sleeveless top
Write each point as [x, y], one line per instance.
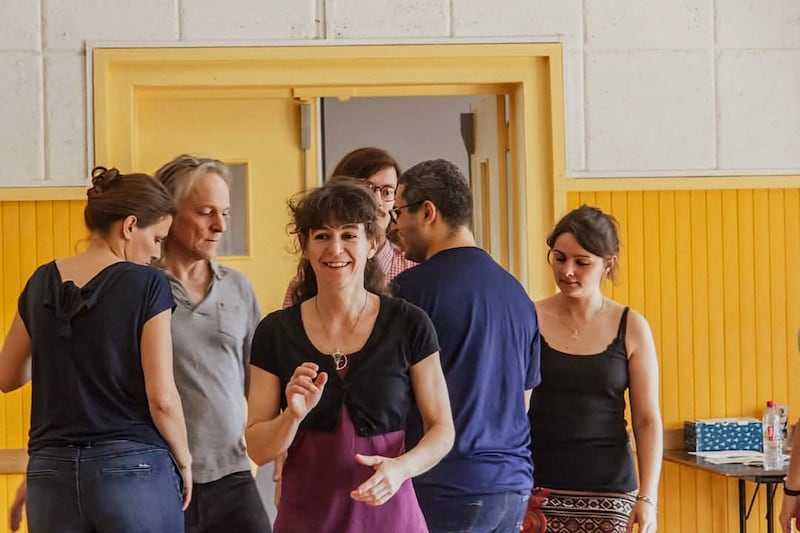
[579, 437]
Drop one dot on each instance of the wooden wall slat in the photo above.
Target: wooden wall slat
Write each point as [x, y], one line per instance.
[620, 292]
[779, 329]
[751, 394]
[730, 311]
[792, 265]
[761, 290]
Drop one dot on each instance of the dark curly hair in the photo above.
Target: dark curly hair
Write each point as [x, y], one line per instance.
[441, 183]
[342, 200]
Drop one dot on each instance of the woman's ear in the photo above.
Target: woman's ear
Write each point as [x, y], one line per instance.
[373, 248]
[128, 226]
[610, 263]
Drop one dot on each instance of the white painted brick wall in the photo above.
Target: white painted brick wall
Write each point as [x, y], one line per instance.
[20, 25]
[689, 86]
[559, 19]
[648, 25]
[239, 20]
[21, 131]
[759, 109]
[574, 109]
[758, 24]
[65, 116]
[69, 23]
[640, 114]
[387, 19]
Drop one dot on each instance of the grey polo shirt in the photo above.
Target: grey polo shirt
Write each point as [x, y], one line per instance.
[211, 346]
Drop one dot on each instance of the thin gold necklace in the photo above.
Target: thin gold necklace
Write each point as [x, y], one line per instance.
[574, 332]
[339, 358]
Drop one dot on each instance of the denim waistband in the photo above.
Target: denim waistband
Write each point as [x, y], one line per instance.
[91, 450]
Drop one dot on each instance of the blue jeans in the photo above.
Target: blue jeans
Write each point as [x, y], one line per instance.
[231, 503]
[114, 486]
[493, 513]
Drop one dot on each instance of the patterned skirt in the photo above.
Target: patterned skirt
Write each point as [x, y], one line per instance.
[587, 512]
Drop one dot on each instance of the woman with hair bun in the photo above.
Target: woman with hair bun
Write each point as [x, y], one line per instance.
[108, 448]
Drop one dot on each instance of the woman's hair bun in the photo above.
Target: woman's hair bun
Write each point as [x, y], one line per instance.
[102, 178]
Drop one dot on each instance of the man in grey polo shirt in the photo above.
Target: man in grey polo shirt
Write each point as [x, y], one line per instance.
[216, 313]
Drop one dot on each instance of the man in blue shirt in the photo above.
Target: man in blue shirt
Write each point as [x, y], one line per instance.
[489, 338]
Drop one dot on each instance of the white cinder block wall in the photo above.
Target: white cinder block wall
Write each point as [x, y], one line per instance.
[652, 87]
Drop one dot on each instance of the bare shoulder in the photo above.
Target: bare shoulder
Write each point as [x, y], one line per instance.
[639, 336]
[637, 323]
[546, 305]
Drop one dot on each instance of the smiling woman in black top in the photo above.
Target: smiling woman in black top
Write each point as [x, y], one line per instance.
[333, 378]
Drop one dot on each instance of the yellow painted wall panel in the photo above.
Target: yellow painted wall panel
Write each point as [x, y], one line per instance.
[619, 204]
[667, 299]
[11, 245]
[731, 310]
[684, 345]
[779, 328]
[651, 262]
[762, 349]
[715, 299]
[751, 395]
[696, 287]
[792, 265]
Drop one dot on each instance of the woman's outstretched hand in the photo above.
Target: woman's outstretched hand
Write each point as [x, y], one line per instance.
[383, 484]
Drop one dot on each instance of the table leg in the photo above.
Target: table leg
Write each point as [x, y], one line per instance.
[742, 512]
[771, 488]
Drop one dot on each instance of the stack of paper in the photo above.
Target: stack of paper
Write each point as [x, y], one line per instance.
[745, 457]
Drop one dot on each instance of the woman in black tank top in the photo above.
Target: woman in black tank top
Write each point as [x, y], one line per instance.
[593, 350]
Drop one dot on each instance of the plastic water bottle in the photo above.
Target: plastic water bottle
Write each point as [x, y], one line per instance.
[772, 438]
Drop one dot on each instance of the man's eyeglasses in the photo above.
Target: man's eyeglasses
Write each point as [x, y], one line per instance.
[386, 191]
[395, 213]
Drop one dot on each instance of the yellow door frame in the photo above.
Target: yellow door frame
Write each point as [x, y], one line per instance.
[530, 74]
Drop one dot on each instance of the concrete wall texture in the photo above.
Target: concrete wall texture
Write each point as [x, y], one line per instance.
[662, 87]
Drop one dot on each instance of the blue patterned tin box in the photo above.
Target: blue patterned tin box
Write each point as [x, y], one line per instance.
[722, 434]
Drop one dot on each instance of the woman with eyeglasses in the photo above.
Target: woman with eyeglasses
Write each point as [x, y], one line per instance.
[380, 170]
[333, 379]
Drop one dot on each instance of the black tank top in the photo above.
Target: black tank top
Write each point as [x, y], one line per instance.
[579, 437]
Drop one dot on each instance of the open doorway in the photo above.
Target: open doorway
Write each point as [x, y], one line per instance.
[411, 128]
[464, 130]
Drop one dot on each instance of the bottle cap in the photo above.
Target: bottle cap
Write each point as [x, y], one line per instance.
[770, 403]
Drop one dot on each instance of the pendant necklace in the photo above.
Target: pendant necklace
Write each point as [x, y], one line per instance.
[574, 332]
[339, 358]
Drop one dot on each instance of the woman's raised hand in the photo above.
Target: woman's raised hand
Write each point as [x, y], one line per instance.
[305, 389]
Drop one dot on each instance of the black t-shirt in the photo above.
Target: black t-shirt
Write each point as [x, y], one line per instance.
[87, 379]
[377, 387]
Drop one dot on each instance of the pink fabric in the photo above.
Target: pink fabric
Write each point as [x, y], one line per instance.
[390, 259]
[319, 474]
